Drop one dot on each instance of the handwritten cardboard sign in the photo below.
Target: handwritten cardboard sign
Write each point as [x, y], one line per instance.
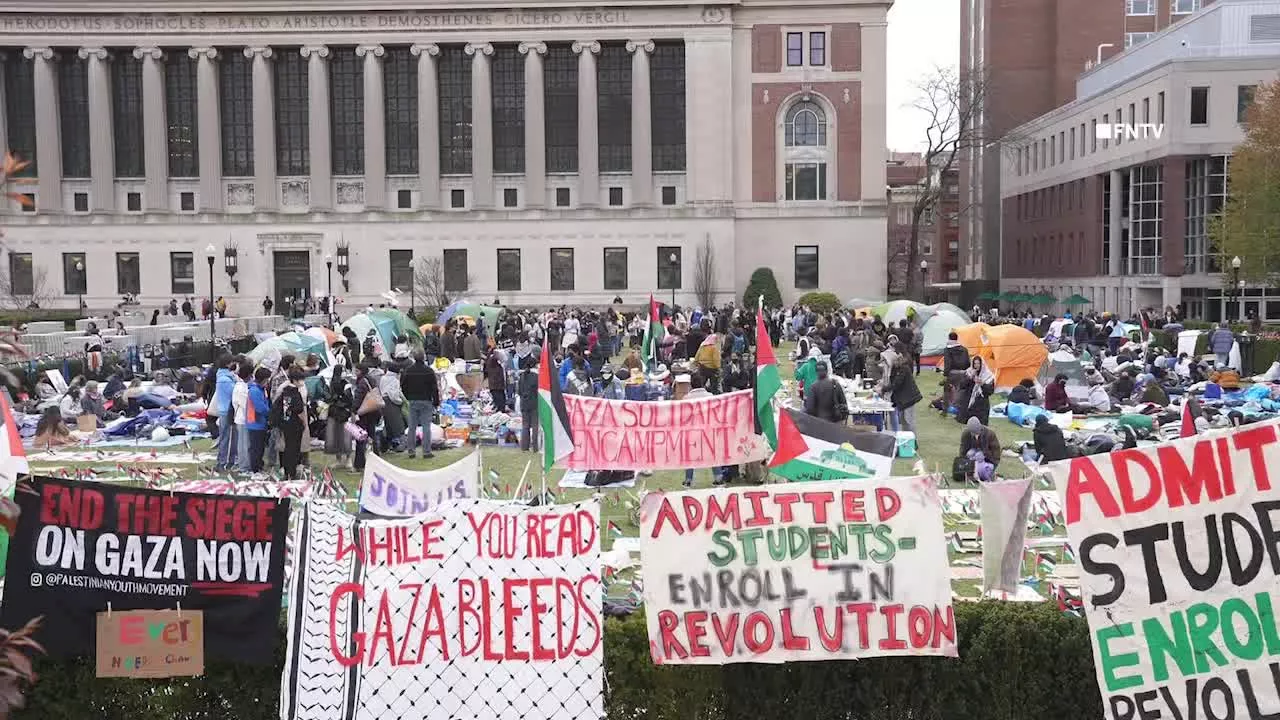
[151, 643]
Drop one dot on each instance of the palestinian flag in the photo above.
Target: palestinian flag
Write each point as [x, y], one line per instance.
[13, 459]
[783, 437]
[653, 334]
[1068, 555]
[836, 452]
[614, 530]
[557, 438]
[1189, 413]
[1046, 563]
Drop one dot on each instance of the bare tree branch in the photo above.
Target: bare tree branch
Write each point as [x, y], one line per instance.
[430, 283]
[704, 274]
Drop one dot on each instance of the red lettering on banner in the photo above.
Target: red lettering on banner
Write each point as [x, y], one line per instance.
[435, 627]
[695, 628]
[723, 509]
[887, 503]
[784, 502]
[891, 641]
[755, 642]
[791, 641]
[584, 608]
[668, 621]
[1190, 486]
[1224, 462]
[147, 514]
[1121, 462]
[818, 504]
[1254, 441]
[667, 515]
[726, 633]
[468, 615]
[852, 504]
[75, 507]
[537, 608]
[759, 518]
[382, 631]
[224, 518]
[1083, 478]
[862, 612]
[356, 590]
[509, 616]
[832, 641]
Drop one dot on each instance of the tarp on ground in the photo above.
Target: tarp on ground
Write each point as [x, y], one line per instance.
[937, 329]
[1011, 352]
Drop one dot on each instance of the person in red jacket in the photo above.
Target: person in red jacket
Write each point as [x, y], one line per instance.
[1055, 395]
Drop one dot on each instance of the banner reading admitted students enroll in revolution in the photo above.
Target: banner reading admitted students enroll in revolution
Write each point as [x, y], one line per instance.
[779, 573]
[672, 435]
[1179, 548]
[473, 609]
[83, 547]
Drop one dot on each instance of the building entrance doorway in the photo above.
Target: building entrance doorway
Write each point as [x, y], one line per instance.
[292, 282]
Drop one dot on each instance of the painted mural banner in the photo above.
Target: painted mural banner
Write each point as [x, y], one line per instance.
[391, 491]
[1179, 550]
[474, 609]
[665, 435]
[781, 573]
[83, 547]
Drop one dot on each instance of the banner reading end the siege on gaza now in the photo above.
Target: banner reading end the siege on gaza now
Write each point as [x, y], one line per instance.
[1179, 550]
[667, 435]
[81, 548]
[779, 573]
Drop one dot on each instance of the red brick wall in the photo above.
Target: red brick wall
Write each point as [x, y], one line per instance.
[766, 48]
[846, 47]
[764, 136]
[1056, 233]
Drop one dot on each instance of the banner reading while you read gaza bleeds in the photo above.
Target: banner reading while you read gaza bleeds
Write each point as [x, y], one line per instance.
[819, 571]
[474, 609]
[83, 547]
[1179, 548]
[673, 435]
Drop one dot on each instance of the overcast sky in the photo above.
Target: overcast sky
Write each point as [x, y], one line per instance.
[923, 34]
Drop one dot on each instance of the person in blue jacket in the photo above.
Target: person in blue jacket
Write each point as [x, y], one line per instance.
[220, 407]
[255, 417]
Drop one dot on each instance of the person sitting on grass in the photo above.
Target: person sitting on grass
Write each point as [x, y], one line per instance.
[51, 431]
[1024, 392]
[980, 444]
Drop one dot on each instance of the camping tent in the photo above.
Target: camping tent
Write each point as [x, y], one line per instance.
[387, 323]
[271, 350]
[469, 309]
[948, 307]
[403, 324]
[1013, 353]
[892, 312]
[1062, 362]
[936, 330]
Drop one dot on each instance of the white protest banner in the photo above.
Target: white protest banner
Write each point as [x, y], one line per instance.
[474, 609]
[391, 491]
[1179, 551]
[778, 573]
[1005, 506]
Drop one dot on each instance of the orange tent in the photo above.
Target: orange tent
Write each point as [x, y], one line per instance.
[1011, 352]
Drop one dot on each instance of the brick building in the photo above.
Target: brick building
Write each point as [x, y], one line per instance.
[1120, 215]
[939, 229]
[1029, 54]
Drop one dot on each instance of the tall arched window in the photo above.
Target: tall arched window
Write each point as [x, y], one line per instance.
[806, 152]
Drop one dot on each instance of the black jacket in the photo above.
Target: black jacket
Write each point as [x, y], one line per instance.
[904, 392]
[955, 358]
[825, 399]
[431, 345]
[527, 387]
[1049, 441]
[418, 382]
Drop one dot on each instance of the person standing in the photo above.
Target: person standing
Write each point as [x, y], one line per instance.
[366, 417]
[220, 408]
[824, 398]
[904, 394]
[422, 392]
[257, 411]
[496, 374]
[267, 305]
[392, 408]
[527, 388]
[336, 440]
[240, 411]
[289, 417]
[1220, 343]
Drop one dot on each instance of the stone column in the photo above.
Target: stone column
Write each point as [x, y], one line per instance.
[265, 193]
[375, 128]
[156, 134]
[588, 125]
[102, 160]
[535, 124]
[318, 126]
[48, 141]
[1114, 266]
[481, 126]
[208, 132]
[428, 126]
[641, 124]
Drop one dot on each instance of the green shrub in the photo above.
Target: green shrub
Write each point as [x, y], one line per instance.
[821, 302]
[762, 284]
[1016, 661]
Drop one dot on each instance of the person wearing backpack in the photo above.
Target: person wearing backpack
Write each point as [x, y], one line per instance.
[289, 417]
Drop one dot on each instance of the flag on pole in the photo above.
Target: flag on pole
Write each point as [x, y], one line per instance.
[1188, 421]
[557, 438]
[13, 459]
[653, 334]
[782, 434]
[1046, 563]
[1068, 555]
[614, 530]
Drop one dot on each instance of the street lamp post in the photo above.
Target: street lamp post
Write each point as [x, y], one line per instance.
[213, 310]
[328, 266]
[924, 274]
[80, 286]
[1234, 293]
[673, 258]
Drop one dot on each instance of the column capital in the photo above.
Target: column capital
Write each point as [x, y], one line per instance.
[319, 51]
[430, 49]
[646, 45]
[263, 52]
[196, 53]
[152, 52]
[93, 52]
[480, 48]
[592, 46]
[43, 53]
[537, 47]
[374, 50]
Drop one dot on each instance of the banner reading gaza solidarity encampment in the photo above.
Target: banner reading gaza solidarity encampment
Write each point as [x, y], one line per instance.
[474, 609]
[674, 435]
[81, 548]
[1179, 550]
[822, 571]
[391, 491]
